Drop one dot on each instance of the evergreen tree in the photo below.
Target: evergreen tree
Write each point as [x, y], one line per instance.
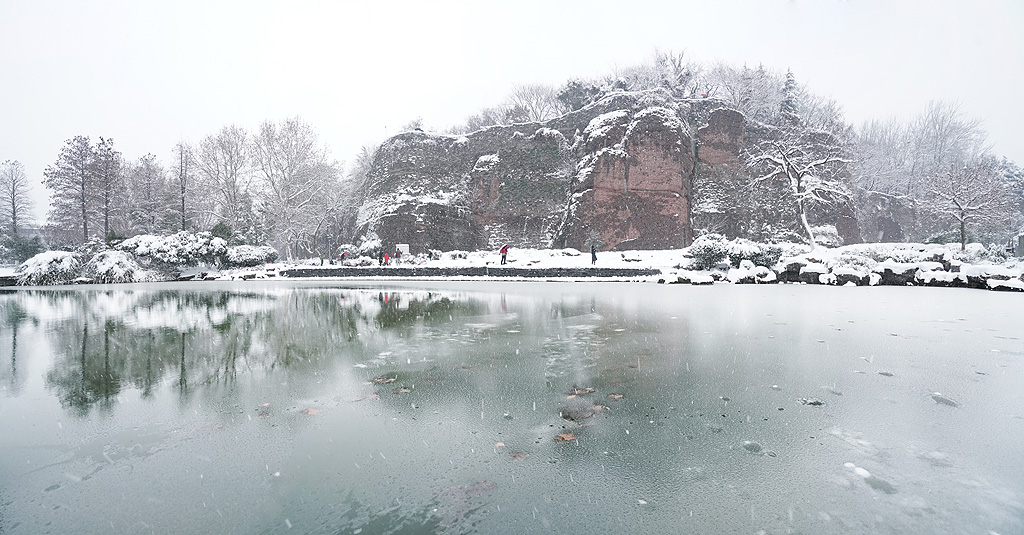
[789, 109]
[109, 190]
[70, 180]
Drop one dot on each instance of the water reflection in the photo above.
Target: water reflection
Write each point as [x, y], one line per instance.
[12, 315]
[105, 341]
[339, 409]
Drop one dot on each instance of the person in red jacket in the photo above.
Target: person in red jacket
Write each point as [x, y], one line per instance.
[504, 253]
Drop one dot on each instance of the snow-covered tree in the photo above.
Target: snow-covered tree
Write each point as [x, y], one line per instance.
[15, 204]
[223, 163]
[578, 93]
[188, 199]
[1013, 175]
[789, 114]
[896, 160]
[811, 165]
[108, 184]
[297, 180]
[151, 208]
[70, 180]
[970, 194]
[755, 92]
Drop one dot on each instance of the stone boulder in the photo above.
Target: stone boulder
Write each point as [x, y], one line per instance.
[896, 273]
[811, 273]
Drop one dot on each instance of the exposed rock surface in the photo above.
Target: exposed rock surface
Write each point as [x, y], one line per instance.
[619, 173]
[721, 140]
[503, 184]
[631, 189]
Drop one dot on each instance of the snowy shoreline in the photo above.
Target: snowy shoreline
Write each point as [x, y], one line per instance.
[708, 261]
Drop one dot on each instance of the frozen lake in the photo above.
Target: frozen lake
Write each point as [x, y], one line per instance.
[315, 407]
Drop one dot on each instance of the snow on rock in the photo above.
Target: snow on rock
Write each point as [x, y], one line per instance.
[50, 267]
[940, 278]
[486, 162]
[603, 125]
[744, 274]
[701, 279]
[1012, 285]
[812, 272]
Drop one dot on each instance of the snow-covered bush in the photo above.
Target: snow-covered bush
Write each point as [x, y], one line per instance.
[708, 251]
[827, 236]
[352, 250]
[111, 266]
[371, 246]
[996, 253]
[181, 249]
[853, 262]
[250, 255]
[91, 248]
[51, 267]
[760, 254]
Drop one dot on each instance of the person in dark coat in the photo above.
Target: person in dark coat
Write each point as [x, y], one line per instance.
[593, 254]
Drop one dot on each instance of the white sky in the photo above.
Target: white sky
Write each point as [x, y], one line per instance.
[149, 74]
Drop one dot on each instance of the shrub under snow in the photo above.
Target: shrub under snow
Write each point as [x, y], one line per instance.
[110, 267]
[250, 255]
[708, 251]
[51, 267]
[760, 254]
[181, 249]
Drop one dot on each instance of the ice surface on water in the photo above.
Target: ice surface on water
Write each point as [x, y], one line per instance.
[270, 412]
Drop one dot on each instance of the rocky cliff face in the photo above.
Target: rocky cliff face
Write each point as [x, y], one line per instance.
[631, 189]
[618, 173]
[499, 185]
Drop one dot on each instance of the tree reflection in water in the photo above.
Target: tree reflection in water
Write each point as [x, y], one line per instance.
[106, 341]
[12, 315]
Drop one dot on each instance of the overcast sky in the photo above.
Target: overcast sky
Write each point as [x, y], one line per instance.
[149, 74]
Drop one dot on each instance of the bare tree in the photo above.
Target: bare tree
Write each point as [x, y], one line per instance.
[295, 175]
[970, 194]
[70, 180]
[941, 137]
[222, 161]
[185, 184]
[536, 102]
[15, 204]
[896, 162]
[754, 92]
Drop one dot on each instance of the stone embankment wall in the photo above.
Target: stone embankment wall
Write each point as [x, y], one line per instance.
[483, 271]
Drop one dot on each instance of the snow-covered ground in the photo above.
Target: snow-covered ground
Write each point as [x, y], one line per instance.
[863, 264]
[708, 260]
